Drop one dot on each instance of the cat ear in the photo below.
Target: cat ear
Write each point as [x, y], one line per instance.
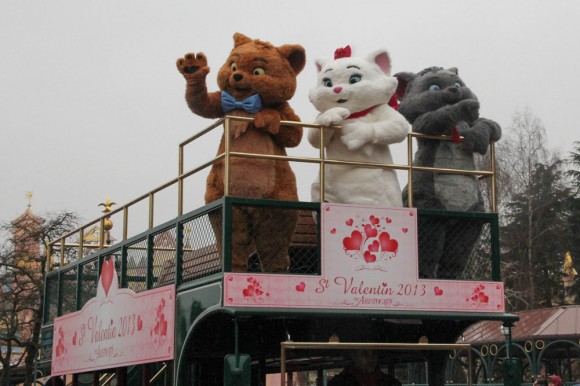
[453, 70]
[320, 63]
[381, 58]
[405, 79]
[240, 39]
[295, 55]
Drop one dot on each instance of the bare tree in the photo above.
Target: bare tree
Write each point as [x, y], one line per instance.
[532, 195]
[22, 267]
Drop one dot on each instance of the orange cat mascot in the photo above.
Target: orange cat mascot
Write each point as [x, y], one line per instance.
[256, 81]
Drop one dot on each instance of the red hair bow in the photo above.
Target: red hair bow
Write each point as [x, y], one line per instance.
[342, 52]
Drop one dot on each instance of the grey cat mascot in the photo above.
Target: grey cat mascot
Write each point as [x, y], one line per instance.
[437, 102]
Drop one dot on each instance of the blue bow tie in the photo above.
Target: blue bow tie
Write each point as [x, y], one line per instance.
[251, 104]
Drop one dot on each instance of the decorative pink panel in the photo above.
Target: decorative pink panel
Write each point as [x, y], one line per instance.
[116, 328]
[369, 261]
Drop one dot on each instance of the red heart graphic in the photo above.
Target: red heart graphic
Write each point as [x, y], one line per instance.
[370, 231]
[369, 257]
[389, 220]
[259, 292]
[248, 291]
[139, 323]
[163, 327]
[411, 214]
[482, 297]
[438, 291]
[327, 208]
[107, 272]
[474, 297]
[231, 300]
[231, 278]
[388, 244]
[333, 231]
[374, 247]
[249, 280]
[405, 230]
[349, 222]
[374, 220]
[384, 284]
[353, 242]
[300, 287]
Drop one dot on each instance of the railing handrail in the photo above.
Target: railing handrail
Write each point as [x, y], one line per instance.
[226, 156]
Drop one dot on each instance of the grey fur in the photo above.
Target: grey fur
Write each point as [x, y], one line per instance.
[435, 111]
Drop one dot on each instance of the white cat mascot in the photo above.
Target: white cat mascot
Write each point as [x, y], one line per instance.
[355, 93]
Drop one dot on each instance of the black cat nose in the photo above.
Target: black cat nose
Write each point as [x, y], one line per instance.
[238, 77]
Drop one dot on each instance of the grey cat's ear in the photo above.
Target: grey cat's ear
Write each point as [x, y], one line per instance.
[453, 70]
[320, 63]
[382, 59]
[404, 78]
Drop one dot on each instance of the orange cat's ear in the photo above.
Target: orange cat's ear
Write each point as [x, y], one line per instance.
[296, 56]
[240, 39]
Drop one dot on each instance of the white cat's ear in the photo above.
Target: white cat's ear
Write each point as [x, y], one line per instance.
[320, 63]
[380, 58]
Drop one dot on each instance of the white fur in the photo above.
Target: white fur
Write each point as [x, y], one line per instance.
[364, 139]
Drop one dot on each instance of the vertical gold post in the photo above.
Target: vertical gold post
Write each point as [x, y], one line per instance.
[321, 172]
[48, 250]
[101, 233]
[493, 182]
[283, 366]
[81, 242]
[227, 127]
[151, 209]
[125, 221]
[410, 170]
[180, 183]
[469, 367]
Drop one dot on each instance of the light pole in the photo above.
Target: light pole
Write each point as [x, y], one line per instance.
[512, 374]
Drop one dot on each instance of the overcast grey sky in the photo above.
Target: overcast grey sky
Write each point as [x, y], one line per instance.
[91, 104]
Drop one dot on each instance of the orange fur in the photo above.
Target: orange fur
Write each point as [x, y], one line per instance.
[253, 67]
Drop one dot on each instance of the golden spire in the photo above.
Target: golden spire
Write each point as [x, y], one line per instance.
[107, 204]
[28, 196]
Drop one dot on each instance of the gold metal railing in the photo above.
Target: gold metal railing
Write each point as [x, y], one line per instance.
[61, 244]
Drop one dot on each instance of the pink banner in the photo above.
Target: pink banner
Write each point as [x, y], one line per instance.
[116, 328]
[369, 261]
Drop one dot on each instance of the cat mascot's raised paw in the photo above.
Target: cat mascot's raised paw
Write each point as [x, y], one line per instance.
[357, 94]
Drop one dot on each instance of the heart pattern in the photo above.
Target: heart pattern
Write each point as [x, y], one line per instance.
[370, 231]
[301, 287]
[353, 243]
[388, 244]
[107, 272]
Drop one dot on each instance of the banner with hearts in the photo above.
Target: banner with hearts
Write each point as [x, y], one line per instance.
[369, 261]
[117, 327]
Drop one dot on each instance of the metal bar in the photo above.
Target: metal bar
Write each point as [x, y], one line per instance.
[321, 172]
[493, 178]
[81, 242]
[101, 232]
[151, 209]
[410, 171]
[125, 222]
[179, 254]
[203, 132]
[227, 128]
[158, 374]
